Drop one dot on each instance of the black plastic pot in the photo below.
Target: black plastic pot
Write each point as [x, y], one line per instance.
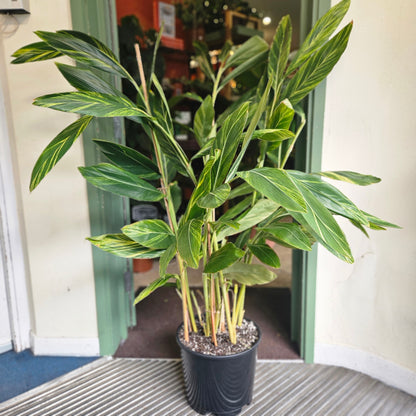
[221, 385]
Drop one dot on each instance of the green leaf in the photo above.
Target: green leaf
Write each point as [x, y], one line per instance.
[162, 96]
[56, 149]
[120, 182]
[254, 46]
[373, 220]
[259, 212]
[150, 233]
[129, 159]
[166, 258]
[289, 235]
[202, 188]
[227, 141]
[254, 120]
[189, 242]
[276, 185]
[322, 225]
[320, 33]
[215, 198]
[317, 67]
[84, 49]
[241, 190]
[265, 254]
[236, 209]
[330, 197]
[203, 121]
[156, 284]
[222, 258]
[171, 149]
[39, 51]
[254, 60]
[279, 51]
[91, 103]
[351, 177]
[282, 116]
[176, 195]
[122, 246]
[249, 274]
[273, 135]
[204, 60]
[84, 80]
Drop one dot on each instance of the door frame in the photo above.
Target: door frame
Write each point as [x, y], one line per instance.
[305, 263]
[14, 263]
[108, 213]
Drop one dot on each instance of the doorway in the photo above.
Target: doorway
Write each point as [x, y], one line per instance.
[98, 20]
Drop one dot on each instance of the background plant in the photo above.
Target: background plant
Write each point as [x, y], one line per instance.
[225, 241]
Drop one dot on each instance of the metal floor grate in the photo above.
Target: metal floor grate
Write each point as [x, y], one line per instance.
[124, 386]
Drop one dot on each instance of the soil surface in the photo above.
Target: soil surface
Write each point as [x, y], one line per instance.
[247, 335]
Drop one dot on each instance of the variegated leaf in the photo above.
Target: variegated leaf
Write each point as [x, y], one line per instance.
[122, 246]
[215, 198]
[276, 185]
[288, 235]
[223, 257]
[351, 177]
[189, 242]
[259, 212]
[56, 149]
[85, 80]
[156, 284]
[320, 33]
[273, 135]
[317, 67]
[150, 233]
[120, 182]
[331, 197]
[91, 103]
[129, 159]
[322, 225]
[265, 254]
[249, 274]
[38, 51]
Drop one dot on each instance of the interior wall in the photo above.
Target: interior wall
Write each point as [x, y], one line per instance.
[56, 213]
[369, 127]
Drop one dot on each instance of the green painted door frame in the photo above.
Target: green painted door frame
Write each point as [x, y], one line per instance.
[108, 213]
[308, 158]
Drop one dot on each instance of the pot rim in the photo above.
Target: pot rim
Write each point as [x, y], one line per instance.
[220, 357]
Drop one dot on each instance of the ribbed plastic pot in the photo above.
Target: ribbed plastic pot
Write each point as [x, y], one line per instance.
[221, 385]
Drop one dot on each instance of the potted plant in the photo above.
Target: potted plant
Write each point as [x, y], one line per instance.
[224, 241]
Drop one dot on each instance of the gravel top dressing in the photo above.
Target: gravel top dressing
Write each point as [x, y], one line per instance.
[247, 335]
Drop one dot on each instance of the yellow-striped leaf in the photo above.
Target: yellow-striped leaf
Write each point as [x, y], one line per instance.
[321, 224]
[317, 67]
[122, 246]
[150, 233]
[276, 185]
[351, 177]
[222, 258]
[91, 103]
[249, 274]
[113, 179]
[189, 242]
[56, 149]
[38, 51]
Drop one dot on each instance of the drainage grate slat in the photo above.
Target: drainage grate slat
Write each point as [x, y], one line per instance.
[154, 387]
